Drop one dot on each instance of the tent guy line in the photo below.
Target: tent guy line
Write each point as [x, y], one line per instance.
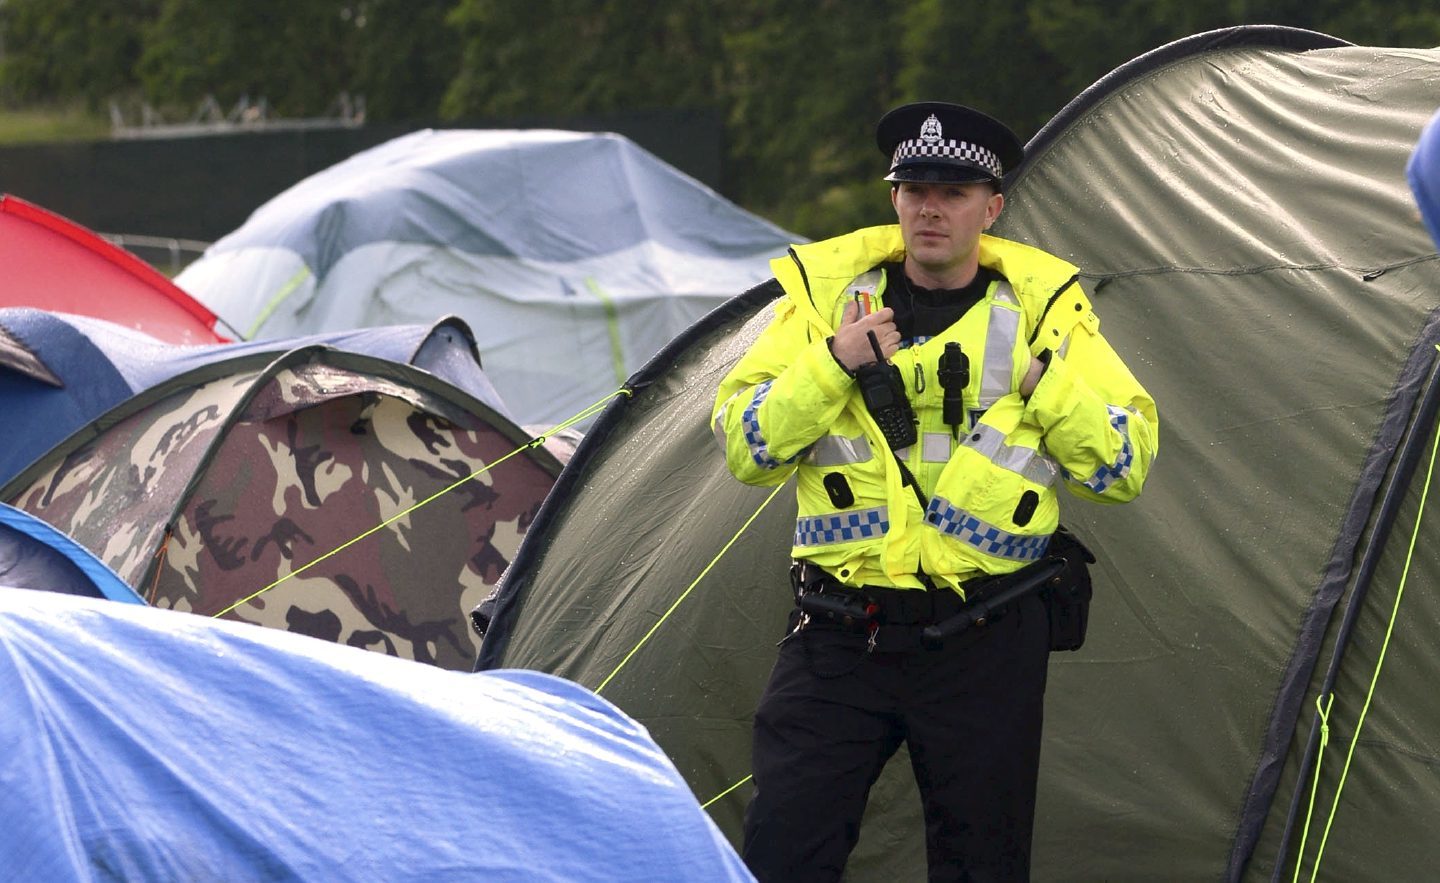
[706, 804]
[685, 594]
[535, 442]
[1323, 704]
[1374, 681]
[1407, 462]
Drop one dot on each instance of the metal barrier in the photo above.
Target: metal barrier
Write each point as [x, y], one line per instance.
[180, 251]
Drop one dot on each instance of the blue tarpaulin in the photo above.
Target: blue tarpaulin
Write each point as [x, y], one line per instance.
[144, 744]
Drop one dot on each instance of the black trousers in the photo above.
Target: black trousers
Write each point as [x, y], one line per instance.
[832, 715]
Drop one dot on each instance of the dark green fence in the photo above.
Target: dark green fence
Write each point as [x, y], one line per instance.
[203, 186]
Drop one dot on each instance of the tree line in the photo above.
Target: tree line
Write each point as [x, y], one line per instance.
[798, 84]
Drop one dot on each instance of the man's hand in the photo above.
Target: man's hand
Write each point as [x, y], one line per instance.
[852, 343]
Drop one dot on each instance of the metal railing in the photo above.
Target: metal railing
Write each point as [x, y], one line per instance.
[345, 112]
[165, 253]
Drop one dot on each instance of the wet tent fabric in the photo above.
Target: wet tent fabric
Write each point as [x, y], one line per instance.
[1239, 206]
[574, 256]
[59, 371]
[149, 745]
[52, 263]
[217, 484]
[34, 555]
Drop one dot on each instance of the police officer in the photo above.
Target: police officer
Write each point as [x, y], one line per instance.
[931, 387]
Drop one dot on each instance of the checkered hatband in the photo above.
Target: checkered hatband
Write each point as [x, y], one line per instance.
[947, 149]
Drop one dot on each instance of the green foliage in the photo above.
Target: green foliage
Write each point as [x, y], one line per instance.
[1377, 23]
[295, 53]
[805, 86]
[800, 84]
[57, 50]
[976, 53]
[404, 55]
[554, 56]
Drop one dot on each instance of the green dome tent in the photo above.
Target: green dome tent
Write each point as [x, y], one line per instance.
[1238, 202]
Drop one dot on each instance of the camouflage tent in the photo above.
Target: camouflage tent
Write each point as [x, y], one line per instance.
[212, 486]
[1238, 204]
[34, 555]
[59, 371]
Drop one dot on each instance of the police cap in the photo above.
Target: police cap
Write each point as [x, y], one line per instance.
[941, 143]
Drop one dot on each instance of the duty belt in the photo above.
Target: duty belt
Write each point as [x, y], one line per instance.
[903, 619]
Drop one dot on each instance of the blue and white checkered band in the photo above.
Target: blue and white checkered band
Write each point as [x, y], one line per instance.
[943, 516]
[750, 422]
[1108, 475]
[824, 530]
[947, 149]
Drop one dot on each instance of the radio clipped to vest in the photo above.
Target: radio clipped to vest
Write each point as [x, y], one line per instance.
[883, 391]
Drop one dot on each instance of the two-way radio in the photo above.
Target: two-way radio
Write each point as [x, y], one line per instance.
[883, 391]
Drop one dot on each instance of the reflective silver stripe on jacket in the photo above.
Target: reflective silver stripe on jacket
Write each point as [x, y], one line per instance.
[718, 427]
[946, 518]
[935, 447]
[1000, 340]
[837, 450]
[844, 527]
[1028, 463]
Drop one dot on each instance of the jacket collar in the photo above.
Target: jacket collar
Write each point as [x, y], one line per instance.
[830, 264]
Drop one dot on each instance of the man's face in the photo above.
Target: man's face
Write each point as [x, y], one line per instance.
[941, 223]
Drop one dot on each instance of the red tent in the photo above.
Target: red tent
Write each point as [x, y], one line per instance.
[54, 264]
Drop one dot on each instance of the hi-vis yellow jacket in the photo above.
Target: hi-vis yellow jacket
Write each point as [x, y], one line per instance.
[990, 494]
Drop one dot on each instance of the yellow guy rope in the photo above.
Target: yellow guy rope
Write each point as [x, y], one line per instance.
[1374, 678]
[713, 561]
[683, 595]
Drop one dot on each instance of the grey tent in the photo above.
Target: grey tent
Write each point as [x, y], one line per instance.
[574, 256]
[1238, 201]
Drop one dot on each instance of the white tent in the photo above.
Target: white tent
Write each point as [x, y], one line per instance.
[573, 256]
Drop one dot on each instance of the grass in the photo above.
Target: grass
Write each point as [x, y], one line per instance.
[36, 125]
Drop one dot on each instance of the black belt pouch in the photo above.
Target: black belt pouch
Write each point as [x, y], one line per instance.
[1068, 599]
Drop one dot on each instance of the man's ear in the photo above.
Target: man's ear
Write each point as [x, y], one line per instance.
[895, 198]
[993, 207]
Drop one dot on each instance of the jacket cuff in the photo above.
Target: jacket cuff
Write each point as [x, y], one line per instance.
[830, 377]
[830, 345]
